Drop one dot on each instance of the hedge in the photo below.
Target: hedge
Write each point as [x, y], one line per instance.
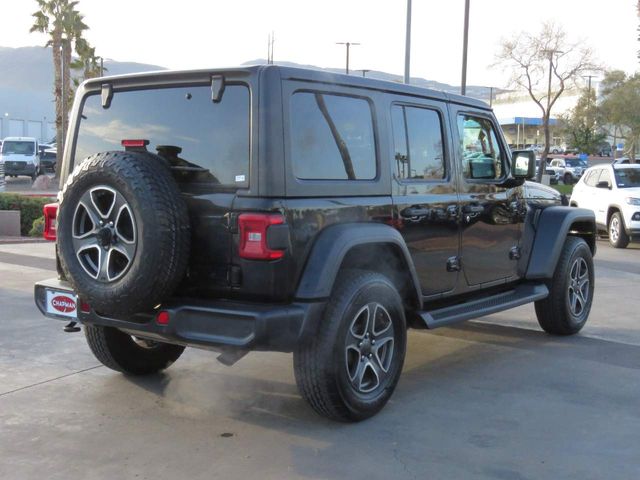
[30, 208]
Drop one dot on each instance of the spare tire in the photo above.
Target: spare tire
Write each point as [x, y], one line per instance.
[123, 232]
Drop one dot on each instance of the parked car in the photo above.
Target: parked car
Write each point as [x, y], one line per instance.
[554, 176]
[568, 169]
[621, 161]
[612, 192]
[20, 156]
[48, 159]
[336, 212]
[2, 177]
[604, 150]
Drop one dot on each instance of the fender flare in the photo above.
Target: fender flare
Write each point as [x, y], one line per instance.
[331, 247]
[552, 227]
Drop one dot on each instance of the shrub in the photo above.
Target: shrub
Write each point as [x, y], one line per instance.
[38, 227]
[30, 208]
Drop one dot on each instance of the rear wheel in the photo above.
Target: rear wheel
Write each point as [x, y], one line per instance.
[124, 353]
[348, 370]
[618, 237]
[566, 309]
[568, 179]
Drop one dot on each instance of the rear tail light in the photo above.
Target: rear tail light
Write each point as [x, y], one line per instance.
[253, 236]
[50, 221]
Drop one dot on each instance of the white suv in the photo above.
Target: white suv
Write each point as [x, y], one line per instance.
[613, 193]
[568, 169]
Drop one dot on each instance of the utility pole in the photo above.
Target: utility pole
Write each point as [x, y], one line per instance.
[348, 45]
[101, 67]
[63, 101]
[364, 71]
[407, 47]
[465, 43]
[270, 42]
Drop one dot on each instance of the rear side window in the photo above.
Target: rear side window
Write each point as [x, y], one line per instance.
[481, 155]
[207, 141]
[605, 177]
[332, 137]
[417, 138]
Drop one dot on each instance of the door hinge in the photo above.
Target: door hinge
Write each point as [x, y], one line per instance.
[514, 253]
[453, 264]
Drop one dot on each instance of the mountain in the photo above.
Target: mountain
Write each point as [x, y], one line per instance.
[26, 83]
[26, 87]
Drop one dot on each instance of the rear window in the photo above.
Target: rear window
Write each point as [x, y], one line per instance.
[181, 124]
[332, 137]
[18, 147]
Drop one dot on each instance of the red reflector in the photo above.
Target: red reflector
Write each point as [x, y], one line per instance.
[85, 307]
[253, 236]
[135, 143]
[162, 318]
[50, 211]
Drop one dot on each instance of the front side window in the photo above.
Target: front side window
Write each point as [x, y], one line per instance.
[418, 142]
[332, 137]
[592, 178]
[206, 140]
[481, 155]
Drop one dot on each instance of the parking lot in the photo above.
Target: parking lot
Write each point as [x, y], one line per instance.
[495, 398]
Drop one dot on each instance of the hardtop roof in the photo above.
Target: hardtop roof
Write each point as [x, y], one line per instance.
[303, 74]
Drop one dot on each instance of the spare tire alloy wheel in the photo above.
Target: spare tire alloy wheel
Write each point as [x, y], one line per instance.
[104, 234]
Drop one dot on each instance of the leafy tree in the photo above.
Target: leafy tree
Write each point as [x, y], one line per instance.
[620, 107]
[545, 64]
[580, 125]
[60, 20]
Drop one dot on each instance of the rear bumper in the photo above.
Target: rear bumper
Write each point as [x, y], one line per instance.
[215, 323]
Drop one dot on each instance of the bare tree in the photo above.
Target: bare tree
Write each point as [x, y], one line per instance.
[545, 64]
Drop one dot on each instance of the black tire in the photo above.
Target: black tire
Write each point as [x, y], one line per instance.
[329, 363]
[618, 237]
[145, 260]
[120, 352]
[558, 314]
[567, 179]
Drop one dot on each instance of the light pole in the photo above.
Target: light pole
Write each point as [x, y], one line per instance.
[364, 72]
[465, 42]
[407, 46]
[348, 45]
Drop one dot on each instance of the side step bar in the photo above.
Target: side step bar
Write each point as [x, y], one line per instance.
[520, 295]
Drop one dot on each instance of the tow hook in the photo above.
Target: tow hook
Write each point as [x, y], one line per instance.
[71, 327]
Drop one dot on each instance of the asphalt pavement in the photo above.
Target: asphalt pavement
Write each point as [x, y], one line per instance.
[495, 398]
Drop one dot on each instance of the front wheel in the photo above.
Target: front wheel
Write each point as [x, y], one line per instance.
[566, 309]
[124, 353]
[349, 368]
[568, 179]
[618, 237]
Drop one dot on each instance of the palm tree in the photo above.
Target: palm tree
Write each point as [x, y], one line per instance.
[63, 23]
[87, 61]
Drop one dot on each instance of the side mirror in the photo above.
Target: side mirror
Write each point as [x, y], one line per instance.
[523, 164]
[603, 184]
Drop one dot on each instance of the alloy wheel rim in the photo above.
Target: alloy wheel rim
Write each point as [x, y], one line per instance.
[104, 234]
[369, 348]
[614, 229]
[578, 286]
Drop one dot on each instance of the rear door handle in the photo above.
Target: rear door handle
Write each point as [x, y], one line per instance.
[414, 212]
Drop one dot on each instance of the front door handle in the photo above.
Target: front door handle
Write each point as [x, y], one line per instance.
[473, 209]
[415, 212]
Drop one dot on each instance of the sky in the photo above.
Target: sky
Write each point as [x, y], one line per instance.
[187, 34]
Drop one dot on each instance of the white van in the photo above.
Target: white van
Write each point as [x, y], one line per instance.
[20, 156]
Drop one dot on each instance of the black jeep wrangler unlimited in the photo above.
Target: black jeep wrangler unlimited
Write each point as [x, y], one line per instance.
[270, 208]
